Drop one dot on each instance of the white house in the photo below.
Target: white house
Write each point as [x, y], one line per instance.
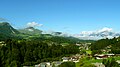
[65, 59]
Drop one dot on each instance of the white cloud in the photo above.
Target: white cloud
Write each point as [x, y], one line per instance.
[48, 32]
[34, 24]
[86, 32]
[105, 29]
[98, 34]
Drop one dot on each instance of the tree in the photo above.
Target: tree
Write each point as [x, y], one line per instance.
[15, 64]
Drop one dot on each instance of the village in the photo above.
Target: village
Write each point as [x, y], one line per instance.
[84, 53]
[57, 63]
[96, 59]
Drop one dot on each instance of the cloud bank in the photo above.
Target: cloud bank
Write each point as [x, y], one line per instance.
[98, 34]
[105, 29]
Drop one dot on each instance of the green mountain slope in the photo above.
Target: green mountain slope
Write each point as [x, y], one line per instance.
[7, 31]
[30, 31]
[6, 28]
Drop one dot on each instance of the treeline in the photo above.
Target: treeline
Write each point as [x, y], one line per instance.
[100, 44]
[17, 53]
[60, 39]
[114, 45]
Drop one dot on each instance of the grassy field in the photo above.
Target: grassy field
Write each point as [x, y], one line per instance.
[117, 58]
[87, 61]
[88, 51]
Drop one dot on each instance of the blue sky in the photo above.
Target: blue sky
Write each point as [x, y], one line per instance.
[72, 16]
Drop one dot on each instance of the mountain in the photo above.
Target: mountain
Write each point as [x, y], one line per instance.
[6, 28]
[30, 31]
[7, 31]
[99, 34]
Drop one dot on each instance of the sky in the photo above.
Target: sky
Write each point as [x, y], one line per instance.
[71, 16]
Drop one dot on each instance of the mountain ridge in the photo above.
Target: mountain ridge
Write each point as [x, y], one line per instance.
[99, 34]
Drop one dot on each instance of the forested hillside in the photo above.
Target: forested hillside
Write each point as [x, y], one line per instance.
[113, 45]
[21, 52]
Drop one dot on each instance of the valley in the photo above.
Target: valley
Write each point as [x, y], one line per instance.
[29, 47]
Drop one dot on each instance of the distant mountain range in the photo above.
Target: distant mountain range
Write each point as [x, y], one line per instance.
[7, 31]
[91, 35]
[99, 34]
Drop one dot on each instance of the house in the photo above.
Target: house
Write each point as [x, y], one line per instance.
[110, 55]
[74, 59]
[102, 56]
[78, 44]
[37, 65]
[45, 64]
[56, 63]
[65, 59]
